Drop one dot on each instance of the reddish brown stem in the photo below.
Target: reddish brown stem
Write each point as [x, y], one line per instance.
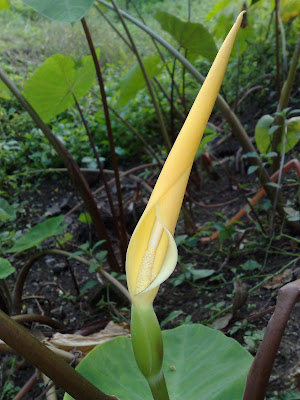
[27, 387]
[261, 368]
[108, 193]
[110, 137]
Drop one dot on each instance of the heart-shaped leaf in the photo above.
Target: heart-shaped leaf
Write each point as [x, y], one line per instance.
[192, 36]
[50, 90]
[199, 363]
[134, 79]
[61, 10]
[264, 133]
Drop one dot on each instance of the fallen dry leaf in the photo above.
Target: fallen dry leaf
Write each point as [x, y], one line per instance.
[68, 342]
[279, 280]
[221, 323]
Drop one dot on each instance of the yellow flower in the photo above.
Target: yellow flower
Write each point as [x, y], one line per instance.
[152, 252]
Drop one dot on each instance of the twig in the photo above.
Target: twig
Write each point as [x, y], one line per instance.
[41, 319]
[27, 387]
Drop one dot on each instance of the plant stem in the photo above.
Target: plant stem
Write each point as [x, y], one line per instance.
[228, 114]
[77, 177]
[46, 361]
[27, 387]
[42, 319]
[158, 387]
[261, 368]
[277, 49]
[148, 81]
[110, 137]
[108, 193]
[283, 103]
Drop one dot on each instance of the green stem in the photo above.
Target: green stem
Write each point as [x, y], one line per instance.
[147, 346]
[158, 387]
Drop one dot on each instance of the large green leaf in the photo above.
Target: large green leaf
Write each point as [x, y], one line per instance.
[50, 90]
[192, 36]
[6, 211]
[134, 79]
[289, 9]
[6, 268]
[61, 10]
[199, 363]
[264, 139]
[39, 233]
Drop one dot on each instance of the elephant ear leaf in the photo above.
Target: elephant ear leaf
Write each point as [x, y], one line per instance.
[52, 88]
[192, 36]
[61, 10]
[134, 80]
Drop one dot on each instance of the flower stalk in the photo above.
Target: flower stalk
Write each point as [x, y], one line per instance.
[152, 251]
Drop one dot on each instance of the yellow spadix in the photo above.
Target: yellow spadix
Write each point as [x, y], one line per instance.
[152, 252]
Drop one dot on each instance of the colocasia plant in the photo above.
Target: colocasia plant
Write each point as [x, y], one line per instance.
[151, 258]
[191, 362]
